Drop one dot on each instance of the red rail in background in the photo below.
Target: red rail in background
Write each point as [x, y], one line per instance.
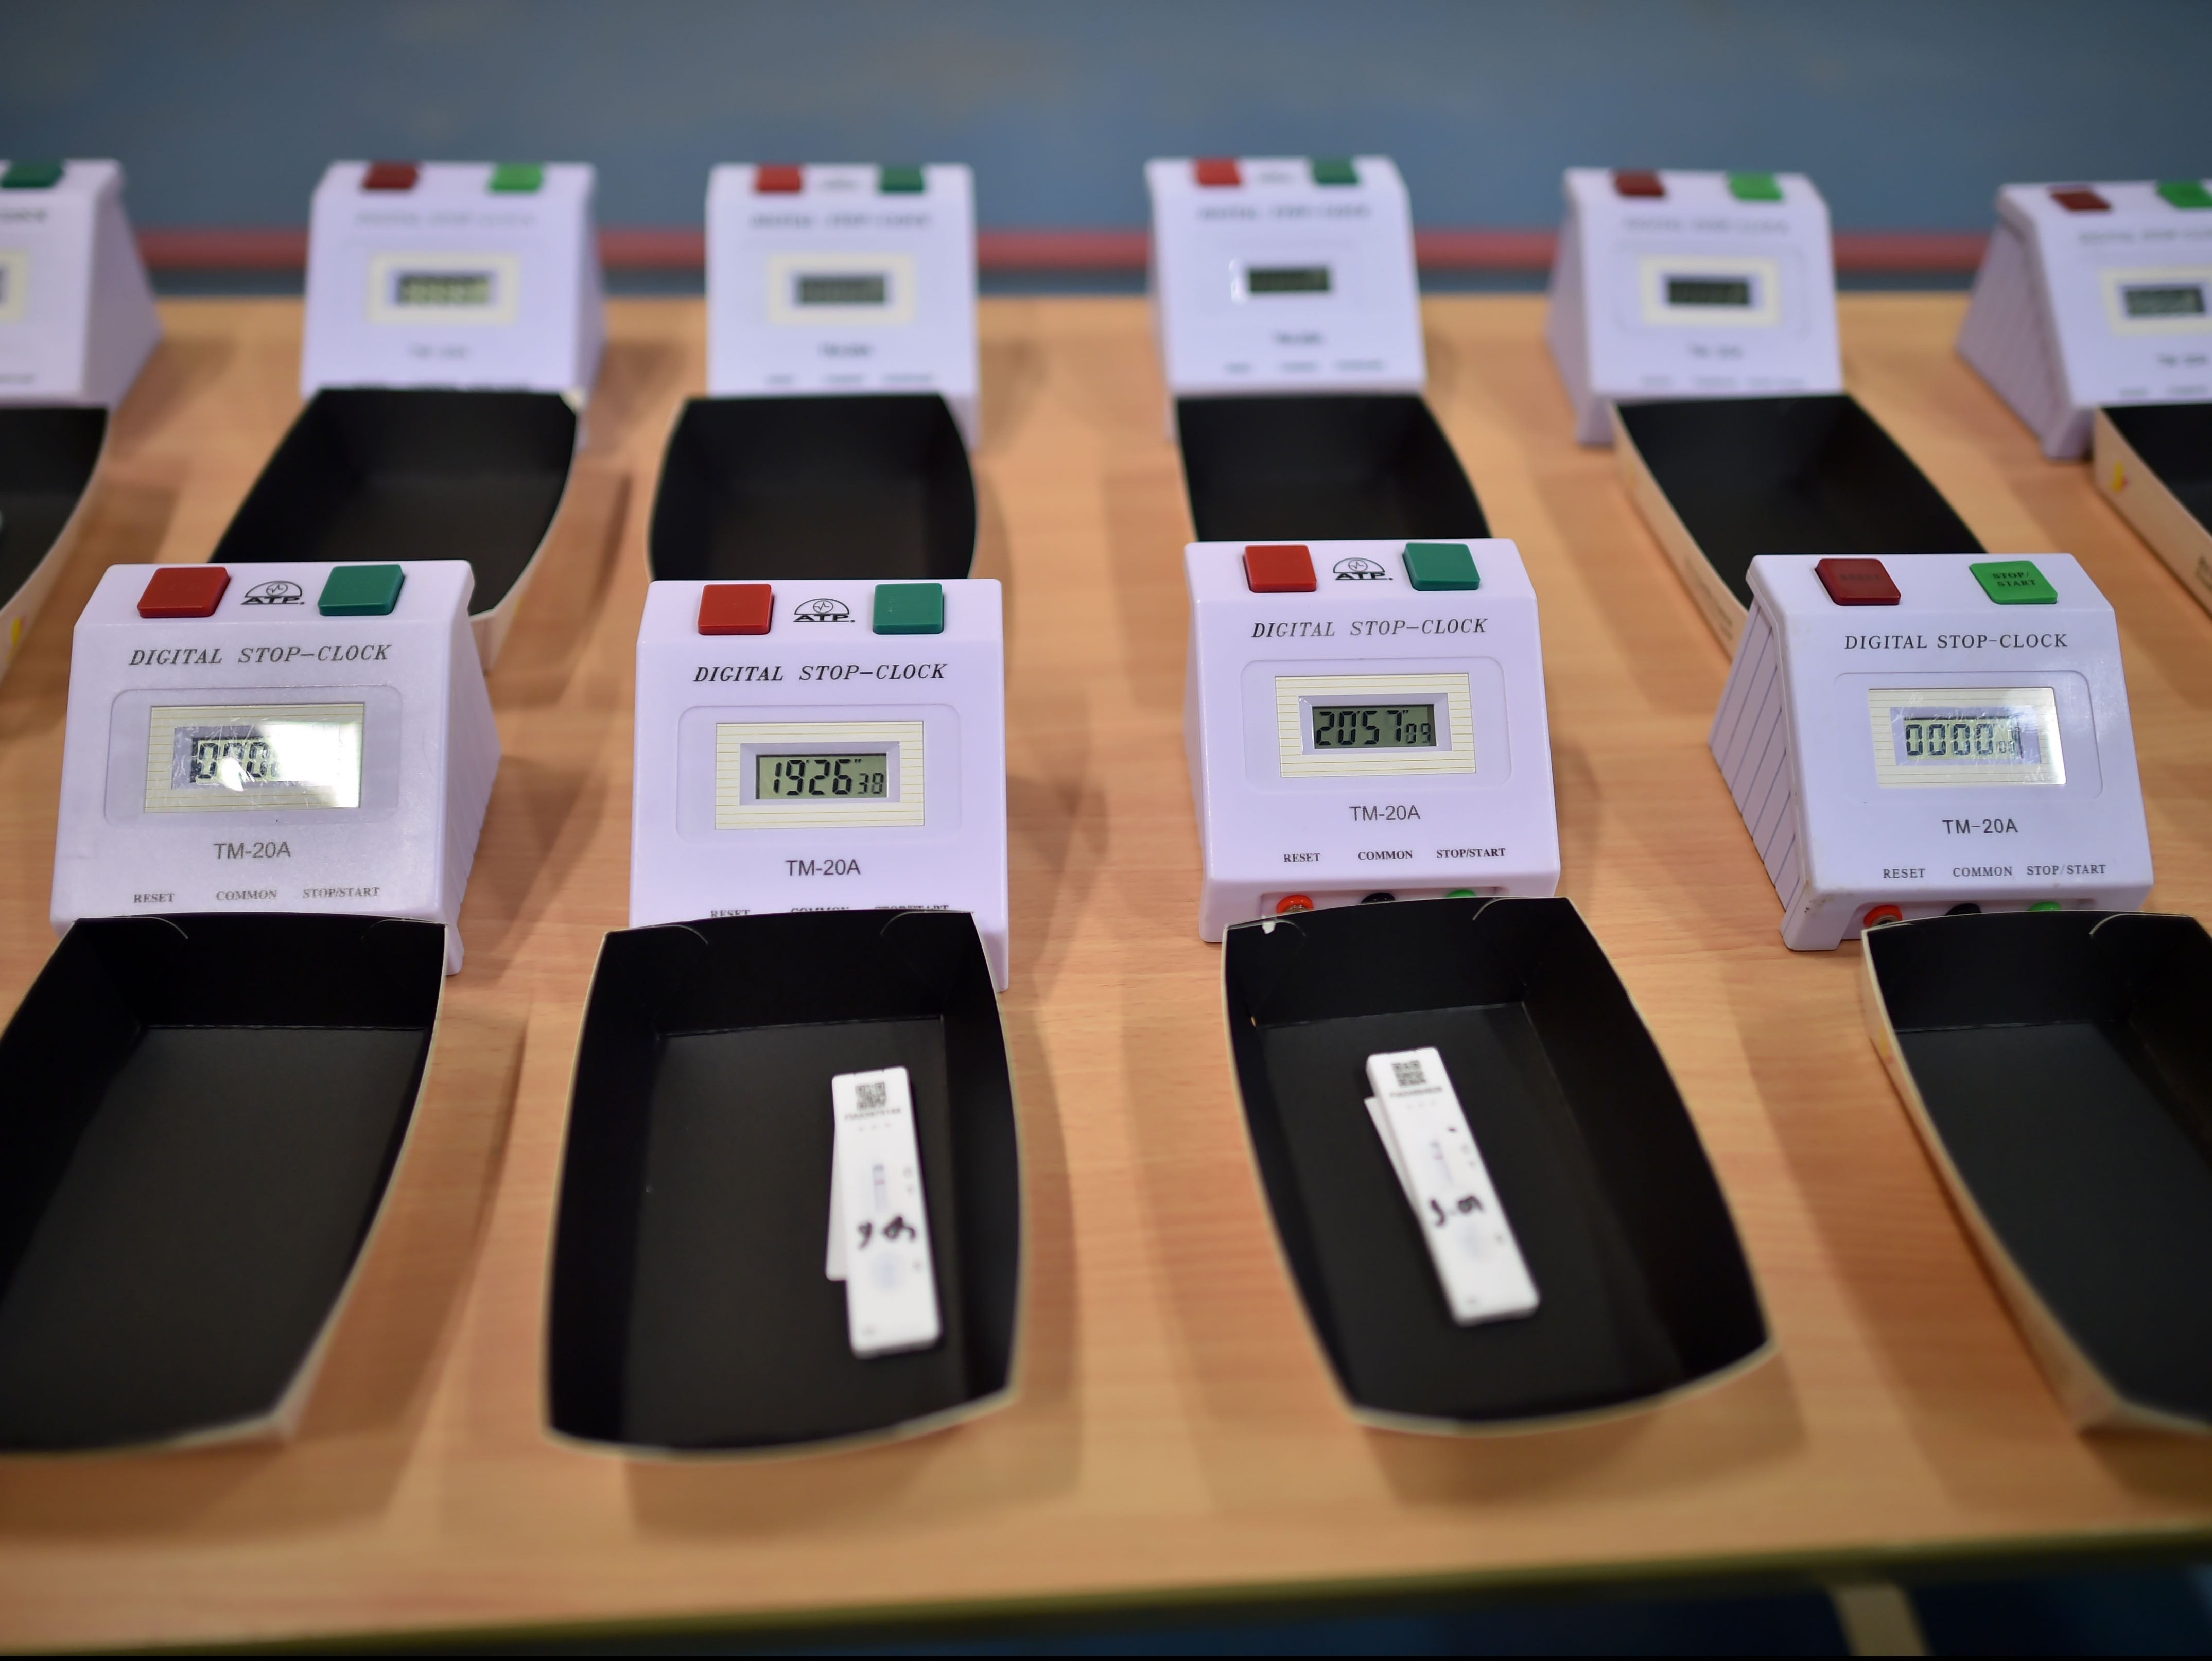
[636, 249]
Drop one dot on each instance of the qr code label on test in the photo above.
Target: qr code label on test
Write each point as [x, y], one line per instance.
[871, 1098]
[1408, 1074]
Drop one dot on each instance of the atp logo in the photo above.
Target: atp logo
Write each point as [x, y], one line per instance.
[822, 611]
[1357, 568]
[278, 592]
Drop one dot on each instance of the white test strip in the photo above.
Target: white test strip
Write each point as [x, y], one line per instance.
[1424, 1130]
[879, 1217]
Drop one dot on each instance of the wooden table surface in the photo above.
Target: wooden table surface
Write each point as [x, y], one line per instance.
[1178, 1434]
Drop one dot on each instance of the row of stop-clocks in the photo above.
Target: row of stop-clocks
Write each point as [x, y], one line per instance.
[1283, 278]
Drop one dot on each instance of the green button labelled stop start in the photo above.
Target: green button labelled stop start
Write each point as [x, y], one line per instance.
[2015, 582]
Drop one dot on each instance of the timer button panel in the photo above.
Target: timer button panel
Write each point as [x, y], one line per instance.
[361, 590]
[183, 591]
[910, 609]
[1856, 582]
[1440, 568]
[1279, 568]
[737, 608]
[2015, 582]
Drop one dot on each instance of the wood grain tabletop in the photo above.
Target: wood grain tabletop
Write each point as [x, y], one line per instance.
[1177, 1435]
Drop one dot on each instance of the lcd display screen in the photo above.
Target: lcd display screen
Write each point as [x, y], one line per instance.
[2163, 300]
[442, 289]
[843, 288]
[1966, 736]
[1709, 291]
[819, 778]
[1286, 280]
[244, 758]
[1374, 726]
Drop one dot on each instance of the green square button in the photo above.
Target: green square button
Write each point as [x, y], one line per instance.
[910, 609]
[31, 176]
[899, 181]
[2185, 192]
[1431, 566]
[361, 590]
[2015, 582]
[1754, 187]
[1334, 170]
[519, 178]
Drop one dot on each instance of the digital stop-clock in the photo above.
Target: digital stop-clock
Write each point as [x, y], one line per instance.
[838, 279]
[1365, 721]
[296, 738]
[822, 746]
[1693, 320]
[1678, 285]
[453, 274]
[2092, 318]
[1945, 733]
[2094, 295]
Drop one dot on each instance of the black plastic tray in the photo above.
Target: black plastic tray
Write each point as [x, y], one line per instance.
[48, 453]
[199, 1119]
[2175, 442]
[689, 1313]
[1643, 1287]
[2059, 1066]
[858, 488]
[1748, 476]
[1349, 468]
[371, 473]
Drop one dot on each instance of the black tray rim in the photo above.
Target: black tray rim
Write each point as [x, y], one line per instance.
[657, 1454]
[1532, 1424]
[282, 1420]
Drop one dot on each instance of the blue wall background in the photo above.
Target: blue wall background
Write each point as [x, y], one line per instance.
[1908, 114]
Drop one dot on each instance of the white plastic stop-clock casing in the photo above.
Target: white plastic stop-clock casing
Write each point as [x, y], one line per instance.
[2083, 305]
[1811, 738]
[842, 285]
[400, 745]
[1285, 821]
[715, 710]
[451, 283]
[76, 312]
[1694, 293]
[1275, 282]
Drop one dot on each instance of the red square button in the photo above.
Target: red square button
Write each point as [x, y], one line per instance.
[736, 608]
[2080, 199]
[1637, 181]
[1219, 170]
[777, 179]
[390, 176]
[1856, 582]
[183, 591]
[1279, 568]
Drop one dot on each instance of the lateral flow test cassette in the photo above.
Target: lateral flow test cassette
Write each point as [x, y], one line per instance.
[76, 324]
[2092, 317]
[454, 325]
[1365, 721]
[822, 746]
[1287, 314]
[297, 738]
[1937, 735]
[1692, 318]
